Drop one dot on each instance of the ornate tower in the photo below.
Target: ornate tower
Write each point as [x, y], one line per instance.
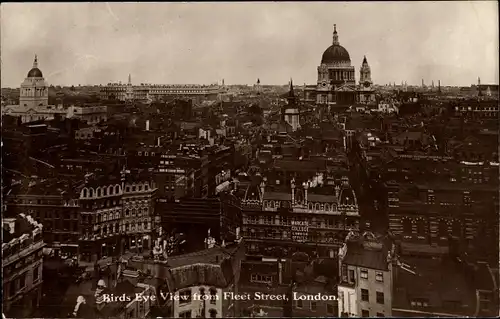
[290, 112]
[366, 92]
[34, 91]
[129, 91]
[365, 74]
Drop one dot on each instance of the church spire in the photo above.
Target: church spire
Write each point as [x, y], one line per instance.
[290, 93]
[35, 62]
[364, 60]
[335, 35]
[129, 79]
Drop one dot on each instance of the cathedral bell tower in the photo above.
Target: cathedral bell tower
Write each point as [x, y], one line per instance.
[366, 92]
[365, 73]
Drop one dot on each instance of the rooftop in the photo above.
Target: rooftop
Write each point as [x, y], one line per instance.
[440, 283]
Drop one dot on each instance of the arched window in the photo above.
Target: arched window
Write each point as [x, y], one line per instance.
[91, 191]
[213, 313]
[117, 189]
[110, 190]
[85, 193]
[140, 188]
[146, 186]
[98, 192]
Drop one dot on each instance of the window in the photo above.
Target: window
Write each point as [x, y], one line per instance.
[364, 273]
[36, 273]
[420, 227]
[380, 297]
[213, 313]
[299, 304]
[364, 295]
[351, 276]
[185, 314]
[185, 297]
[213, 296]
[330, 309]
[365, 313]
[314, 306]
[420, 302]
[379, 314]
[443, 229]
[379, 276]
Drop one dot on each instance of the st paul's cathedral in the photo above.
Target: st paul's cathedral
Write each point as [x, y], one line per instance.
[336, 85]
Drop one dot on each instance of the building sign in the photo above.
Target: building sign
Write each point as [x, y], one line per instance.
[299, 231]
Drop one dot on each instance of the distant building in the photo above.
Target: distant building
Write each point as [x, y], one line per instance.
[22, 263]
[336, 84]
[366, 93]
[34, 99]
[158, 92]
[290, 113]
[90, 114]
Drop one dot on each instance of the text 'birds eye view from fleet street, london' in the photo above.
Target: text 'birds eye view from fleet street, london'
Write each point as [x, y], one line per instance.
[250, 159]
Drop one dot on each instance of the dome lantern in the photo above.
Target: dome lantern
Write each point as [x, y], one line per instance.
[335, 35]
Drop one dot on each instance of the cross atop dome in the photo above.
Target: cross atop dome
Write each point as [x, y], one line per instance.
[35, 62]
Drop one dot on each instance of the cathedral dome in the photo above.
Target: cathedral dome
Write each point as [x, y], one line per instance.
[335, 53]
[35, 73]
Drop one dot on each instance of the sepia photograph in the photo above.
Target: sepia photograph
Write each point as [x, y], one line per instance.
[250, 159]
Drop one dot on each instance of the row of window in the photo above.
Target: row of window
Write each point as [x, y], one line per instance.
[116, 228]
[20, 282]
[443, 228]
[311, 206]
[187, 314]
[264, 279]
[313, 306]
[312, 236]
[365, 296]
[366, 313]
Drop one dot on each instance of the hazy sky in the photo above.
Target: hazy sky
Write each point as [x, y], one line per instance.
[95, 43]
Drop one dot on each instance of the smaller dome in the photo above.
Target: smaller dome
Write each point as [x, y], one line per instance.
[35, 73]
